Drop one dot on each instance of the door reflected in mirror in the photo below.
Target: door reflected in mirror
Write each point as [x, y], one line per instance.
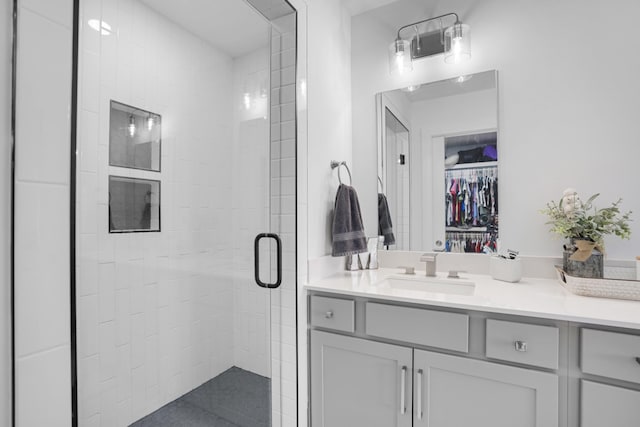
[438, 164]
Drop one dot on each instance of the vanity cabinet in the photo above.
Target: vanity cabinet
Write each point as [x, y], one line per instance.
[610, 406]
[423, 376]
[454, 391]
[613, 358]
[360, 382]
[356, 382]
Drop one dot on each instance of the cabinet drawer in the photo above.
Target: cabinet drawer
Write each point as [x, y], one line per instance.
[610, 354]
[523, 343]
[605, 405]
[419, 326]
[332, 313]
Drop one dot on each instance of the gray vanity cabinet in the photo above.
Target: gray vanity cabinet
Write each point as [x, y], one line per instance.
[356, 382]
[612, 357]
[452, 391]
[610, 406]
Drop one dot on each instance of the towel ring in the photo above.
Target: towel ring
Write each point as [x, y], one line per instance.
[336, 164]
[381, 185]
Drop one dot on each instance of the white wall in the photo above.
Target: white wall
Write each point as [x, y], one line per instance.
[567, 103]
[155, 310]
[329, 98]
[6, 9]
[42, 318]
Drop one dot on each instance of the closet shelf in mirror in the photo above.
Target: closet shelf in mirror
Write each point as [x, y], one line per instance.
[478, 165]
[467, 229]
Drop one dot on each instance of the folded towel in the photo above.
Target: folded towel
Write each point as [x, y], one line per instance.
[347, 231]
[385, 227]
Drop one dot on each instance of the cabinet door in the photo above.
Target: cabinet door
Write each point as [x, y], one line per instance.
[605, 405]
[452, 391]
[355, 382]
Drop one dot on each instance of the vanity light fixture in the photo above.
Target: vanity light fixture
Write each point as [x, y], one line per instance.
[454, 41]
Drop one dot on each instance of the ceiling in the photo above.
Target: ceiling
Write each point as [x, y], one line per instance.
[356, 7]
[230, 25]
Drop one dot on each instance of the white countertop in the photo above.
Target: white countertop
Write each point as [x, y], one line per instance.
[544, 298]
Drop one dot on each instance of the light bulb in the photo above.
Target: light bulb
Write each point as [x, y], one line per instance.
[400, 57]
[149, 123]
[400, 62]
[247, 101]
[132, 126]
[457, 44]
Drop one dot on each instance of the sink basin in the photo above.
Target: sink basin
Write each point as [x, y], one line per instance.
[429, 284]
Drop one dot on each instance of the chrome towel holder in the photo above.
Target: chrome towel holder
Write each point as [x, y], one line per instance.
[337, 164]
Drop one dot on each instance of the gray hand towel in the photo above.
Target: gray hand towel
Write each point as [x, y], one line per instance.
[347, 231]
[385, 227]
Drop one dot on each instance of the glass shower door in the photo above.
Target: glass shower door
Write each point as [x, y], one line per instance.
[185, 154]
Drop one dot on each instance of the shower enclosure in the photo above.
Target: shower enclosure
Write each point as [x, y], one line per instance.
[185, 231]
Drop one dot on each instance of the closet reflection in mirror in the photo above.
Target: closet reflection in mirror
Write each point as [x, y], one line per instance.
[438, 164]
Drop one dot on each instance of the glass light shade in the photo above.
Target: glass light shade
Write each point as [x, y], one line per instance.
[400, 57]
[457, 44]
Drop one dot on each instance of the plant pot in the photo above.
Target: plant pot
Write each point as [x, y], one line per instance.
[593, 267]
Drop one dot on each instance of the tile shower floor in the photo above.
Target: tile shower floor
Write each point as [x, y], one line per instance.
[235, 398]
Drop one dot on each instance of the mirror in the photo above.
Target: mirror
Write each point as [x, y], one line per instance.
[438, 165]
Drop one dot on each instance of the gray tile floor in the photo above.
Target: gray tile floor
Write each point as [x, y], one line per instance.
[235, 398]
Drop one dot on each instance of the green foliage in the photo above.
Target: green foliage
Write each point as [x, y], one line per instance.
[583, 221]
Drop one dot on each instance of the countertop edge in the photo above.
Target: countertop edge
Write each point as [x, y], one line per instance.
[607, 321]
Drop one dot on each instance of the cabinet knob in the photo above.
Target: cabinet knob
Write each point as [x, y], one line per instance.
[521, 346]
[328, 314]
[638, 360]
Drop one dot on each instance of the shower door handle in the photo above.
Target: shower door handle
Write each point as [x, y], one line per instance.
[256, 257]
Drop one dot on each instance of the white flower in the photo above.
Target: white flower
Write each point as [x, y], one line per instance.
[570, 202]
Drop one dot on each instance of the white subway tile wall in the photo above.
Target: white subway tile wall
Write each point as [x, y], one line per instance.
[155, 310]
[283, 220]
[161, 313]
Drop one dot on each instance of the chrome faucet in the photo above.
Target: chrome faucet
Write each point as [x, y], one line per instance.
[430, 260]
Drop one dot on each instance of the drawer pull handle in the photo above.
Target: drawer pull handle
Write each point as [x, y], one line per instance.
[328, 314]
[403, 385]
[521, 346]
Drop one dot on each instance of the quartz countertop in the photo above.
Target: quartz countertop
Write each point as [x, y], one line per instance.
[533, 297]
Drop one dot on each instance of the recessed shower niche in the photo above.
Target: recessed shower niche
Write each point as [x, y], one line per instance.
[134, 205]
[134, 137]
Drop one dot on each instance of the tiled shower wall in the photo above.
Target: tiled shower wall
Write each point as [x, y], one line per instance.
[250, 202]
[155, 310]
[283, 218]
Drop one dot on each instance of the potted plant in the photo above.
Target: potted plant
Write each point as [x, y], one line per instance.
[585, 226]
